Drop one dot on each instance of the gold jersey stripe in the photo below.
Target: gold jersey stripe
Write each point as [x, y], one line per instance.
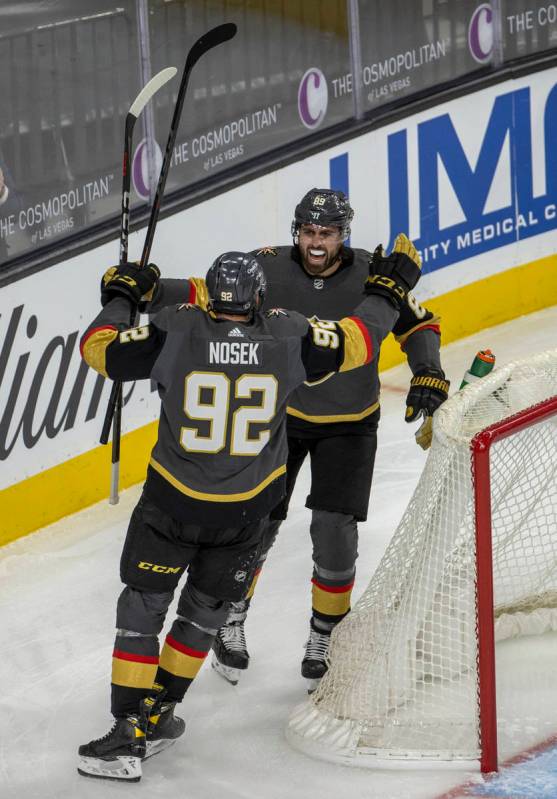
[131, 674]
[331, 604]
[435, 320]
[94, 348]
[341, 417]
[191, 492]
[357, 348]
[178, 663]
[198, 292]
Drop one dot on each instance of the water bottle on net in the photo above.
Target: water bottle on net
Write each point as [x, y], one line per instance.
[483, 363]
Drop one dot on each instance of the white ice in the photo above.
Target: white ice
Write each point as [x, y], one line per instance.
[57, 600]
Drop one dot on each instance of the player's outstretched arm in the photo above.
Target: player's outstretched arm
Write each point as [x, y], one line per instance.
[387, 287]
[418, 333]
[173, 291]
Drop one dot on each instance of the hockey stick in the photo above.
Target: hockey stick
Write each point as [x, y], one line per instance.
[152, 86]
[214, 37]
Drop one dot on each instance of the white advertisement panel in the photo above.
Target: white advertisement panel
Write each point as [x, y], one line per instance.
[473, 182]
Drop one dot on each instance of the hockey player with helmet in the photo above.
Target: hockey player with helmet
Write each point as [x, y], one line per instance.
[217, 469]
[336, 422]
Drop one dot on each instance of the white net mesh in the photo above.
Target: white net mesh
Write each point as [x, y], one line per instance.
[402, 683]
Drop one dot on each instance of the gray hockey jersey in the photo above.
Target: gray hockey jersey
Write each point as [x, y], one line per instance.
[220, 456]
[348, 398]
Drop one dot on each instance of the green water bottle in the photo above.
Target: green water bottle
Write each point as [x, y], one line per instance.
[482, 365]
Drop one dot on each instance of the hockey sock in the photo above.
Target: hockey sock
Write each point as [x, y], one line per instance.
[330, 599]
[134, 664]
[182, 655]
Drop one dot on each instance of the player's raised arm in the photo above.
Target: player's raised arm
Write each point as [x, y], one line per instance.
[173, 291]
[416, 329]
[109, 345]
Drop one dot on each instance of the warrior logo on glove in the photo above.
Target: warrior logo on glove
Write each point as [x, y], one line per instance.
[428, 390]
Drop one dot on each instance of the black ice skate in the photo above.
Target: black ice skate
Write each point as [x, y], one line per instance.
[230, 654]
[163, 727]
[314, 664]
[118, 754]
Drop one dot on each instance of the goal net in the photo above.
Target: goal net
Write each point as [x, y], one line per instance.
[403, 681]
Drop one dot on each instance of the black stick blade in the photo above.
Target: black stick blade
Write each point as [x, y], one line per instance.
[214, 37]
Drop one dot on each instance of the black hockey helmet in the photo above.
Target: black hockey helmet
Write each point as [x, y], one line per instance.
[234, 281]
[324, 207]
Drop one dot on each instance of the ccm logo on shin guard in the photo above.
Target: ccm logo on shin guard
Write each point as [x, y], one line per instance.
[160, 569]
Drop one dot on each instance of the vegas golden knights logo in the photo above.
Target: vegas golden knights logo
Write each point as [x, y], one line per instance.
[267, 251]
[276, 312]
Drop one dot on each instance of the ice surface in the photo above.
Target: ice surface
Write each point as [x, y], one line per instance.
[58, 590]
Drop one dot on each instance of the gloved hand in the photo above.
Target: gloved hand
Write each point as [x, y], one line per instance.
[428, 390]
[128, 280]
[396, 274]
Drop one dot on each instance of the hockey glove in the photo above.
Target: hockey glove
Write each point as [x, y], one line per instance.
[128, 280]
[396, 274]
[428, 390]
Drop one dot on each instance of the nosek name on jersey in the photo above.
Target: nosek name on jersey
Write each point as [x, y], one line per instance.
[243, 353]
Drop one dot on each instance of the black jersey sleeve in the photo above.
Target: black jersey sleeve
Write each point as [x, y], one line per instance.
[171, 291]
[112, 348]
[419, 334]
[329, 347]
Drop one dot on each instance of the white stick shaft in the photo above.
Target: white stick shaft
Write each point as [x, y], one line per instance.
[114, 497]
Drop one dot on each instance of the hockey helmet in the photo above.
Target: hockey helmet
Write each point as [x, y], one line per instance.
[324, 207]
[234, 281]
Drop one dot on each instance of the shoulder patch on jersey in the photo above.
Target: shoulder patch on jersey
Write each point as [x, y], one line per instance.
[267, 251]
[188, 306]
[276, 312]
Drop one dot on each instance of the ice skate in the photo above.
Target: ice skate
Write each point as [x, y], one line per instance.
[314, 664]
[117, 755]
[230, 654]
[163, 727]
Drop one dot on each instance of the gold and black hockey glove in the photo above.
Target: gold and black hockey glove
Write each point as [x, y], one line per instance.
[428, 390]
[396, 274]
[128, 280]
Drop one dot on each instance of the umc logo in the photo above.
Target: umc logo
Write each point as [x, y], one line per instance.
[313, 98]
[469, 206]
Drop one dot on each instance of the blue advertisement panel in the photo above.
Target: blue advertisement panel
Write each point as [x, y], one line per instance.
[525, 214]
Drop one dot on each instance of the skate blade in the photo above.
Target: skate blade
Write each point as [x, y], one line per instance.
[120, 768]
[154, 747]
[229, 673]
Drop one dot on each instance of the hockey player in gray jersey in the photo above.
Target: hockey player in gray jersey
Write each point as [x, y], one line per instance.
[335, 422]
[216, 471]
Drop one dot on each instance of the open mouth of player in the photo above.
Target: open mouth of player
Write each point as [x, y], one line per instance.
[316, 256]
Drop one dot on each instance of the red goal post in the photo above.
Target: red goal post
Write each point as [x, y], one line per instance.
[474, 558]
[481, 449]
